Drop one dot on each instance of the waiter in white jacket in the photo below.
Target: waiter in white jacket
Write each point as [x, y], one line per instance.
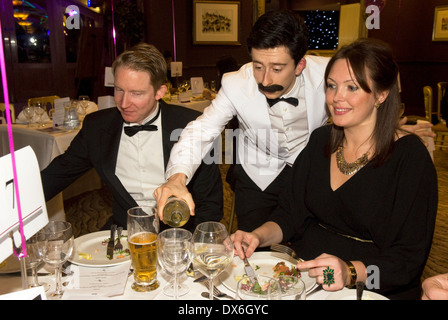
[270, 137]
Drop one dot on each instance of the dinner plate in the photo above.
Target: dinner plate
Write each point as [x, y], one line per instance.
[11, 265]
[350, 294]
[263, 263]
[95, 244]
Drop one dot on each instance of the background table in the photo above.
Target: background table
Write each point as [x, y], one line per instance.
[48, 143]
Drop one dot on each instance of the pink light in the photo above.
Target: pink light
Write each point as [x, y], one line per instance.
[11, 144]
[174, 30]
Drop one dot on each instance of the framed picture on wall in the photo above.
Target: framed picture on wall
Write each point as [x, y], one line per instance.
[216, 22]
[440, 31]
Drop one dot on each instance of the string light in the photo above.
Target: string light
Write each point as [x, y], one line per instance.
[323, 27]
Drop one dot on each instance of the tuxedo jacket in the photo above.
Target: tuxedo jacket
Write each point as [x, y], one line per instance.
[96, 146]
[260, 154]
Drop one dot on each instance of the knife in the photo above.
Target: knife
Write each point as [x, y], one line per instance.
[247, 267]
[110, 244]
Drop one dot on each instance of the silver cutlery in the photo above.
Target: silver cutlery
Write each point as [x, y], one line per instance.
[200, 279]
[206, 295]
[247, 267]
[315, 289]
[218, 293]
[285, 249]
[359, 290]
[118, 246]
[110, 244]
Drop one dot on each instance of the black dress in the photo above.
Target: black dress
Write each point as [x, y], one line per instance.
[383, 216]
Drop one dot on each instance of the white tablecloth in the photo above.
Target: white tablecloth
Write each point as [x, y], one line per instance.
[47, 144]
[199, 105]
[12, 283]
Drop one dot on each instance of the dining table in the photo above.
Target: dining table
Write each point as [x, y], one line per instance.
[101, 279]
[47, 143]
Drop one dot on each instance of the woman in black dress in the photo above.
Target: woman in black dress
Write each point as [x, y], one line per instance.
[363, 193]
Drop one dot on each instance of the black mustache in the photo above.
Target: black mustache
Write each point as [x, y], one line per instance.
[271, 88]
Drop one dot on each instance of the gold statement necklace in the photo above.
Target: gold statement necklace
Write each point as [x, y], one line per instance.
[350, 168]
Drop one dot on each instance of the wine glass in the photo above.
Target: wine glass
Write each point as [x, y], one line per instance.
[213, 85]
[292, 287]
[28, 112]
[174, 255]
[212, 250]
[187, 85]
[84, 103]
[56, 248]
[40, 110]
[259, 288]
[34, 259]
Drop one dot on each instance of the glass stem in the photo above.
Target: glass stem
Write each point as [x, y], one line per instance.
[176, 287]
[58, 274]
[35, 281]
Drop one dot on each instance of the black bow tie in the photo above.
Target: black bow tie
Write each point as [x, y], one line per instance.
[290, 100]
[131, 130]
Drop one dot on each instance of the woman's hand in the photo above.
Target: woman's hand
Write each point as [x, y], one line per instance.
[435, 287]
[336, 270]
[251, 242]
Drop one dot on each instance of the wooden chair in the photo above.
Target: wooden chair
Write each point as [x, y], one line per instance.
[45, 100]
[441, 129]
[11, 108]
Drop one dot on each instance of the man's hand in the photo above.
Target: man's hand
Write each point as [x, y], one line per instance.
[175, 186]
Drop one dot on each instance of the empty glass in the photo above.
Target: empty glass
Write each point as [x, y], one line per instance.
[56, 247]
[174, 254]
[29, 112]
[34, 259]
[292, 287]
[40, 109]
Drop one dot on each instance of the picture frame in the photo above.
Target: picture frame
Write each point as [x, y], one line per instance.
[440, 30]
[216, 22]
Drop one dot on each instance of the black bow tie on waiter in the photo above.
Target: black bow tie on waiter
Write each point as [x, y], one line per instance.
[131, 130]
[290, 100]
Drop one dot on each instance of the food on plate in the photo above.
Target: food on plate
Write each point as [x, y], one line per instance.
[86, 256]
[281, 269]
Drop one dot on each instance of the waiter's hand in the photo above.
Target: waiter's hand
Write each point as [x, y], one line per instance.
[175, 186]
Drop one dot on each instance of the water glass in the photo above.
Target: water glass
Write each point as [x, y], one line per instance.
[34, 260]
[143, 228]
[56, 247]
[174, 255]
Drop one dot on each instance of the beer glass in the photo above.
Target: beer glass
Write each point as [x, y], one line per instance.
[143, 228]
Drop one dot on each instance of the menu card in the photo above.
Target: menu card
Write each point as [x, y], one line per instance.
[95, 282]
[59, 110]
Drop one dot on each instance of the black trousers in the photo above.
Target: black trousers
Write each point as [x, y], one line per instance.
[252, 205]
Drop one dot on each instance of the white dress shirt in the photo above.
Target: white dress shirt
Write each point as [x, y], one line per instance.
[140, 165]
[291, 121]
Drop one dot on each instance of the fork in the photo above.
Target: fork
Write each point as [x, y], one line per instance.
[285, 249]
[118, 246]
[218, 293]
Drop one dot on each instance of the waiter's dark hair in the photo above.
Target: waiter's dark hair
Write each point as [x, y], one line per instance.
[280, 28]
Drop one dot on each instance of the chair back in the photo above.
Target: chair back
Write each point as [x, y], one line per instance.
[441, 93]
[11, 108]
[45, 100]
[427, 98]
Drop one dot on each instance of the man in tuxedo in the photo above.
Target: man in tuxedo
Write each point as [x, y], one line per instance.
[131, 158]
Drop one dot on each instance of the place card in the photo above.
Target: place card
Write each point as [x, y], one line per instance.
[197, 85]
[97, 281]
[59, 110]
[32, 201]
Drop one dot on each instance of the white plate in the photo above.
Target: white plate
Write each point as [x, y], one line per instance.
[263, 263]
[350, 294]
[11, 265]
[96, 244]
